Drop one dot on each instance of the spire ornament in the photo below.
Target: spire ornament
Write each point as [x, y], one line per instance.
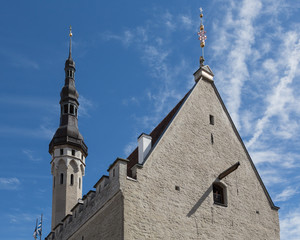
[202, 37]
[70, 46]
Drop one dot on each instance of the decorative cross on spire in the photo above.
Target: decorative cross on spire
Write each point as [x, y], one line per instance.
[202, 37]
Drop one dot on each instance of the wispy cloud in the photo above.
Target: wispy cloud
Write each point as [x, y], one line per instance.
[286, 194]
[130, 100]
[126, 38]
[9, 183]
[18, 60]
[31, 155]
[130, 147]
[281, 100]
[155, 52]
[85, 106]
[21, 217]
[290, 225]
[186, 21]
[238, 29]
[43, 132]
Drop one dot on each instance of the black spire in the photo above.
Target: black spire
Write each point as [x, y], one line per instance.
[68, 132]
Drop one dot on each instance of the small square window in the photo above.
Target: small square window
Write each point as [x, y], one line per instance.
[211, 120]
[61, 151]
[177, 188]
[219, 194]
[73, 152]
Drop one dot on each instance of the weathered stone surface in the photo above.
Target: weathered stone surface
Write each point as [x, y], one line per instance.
[186, 157]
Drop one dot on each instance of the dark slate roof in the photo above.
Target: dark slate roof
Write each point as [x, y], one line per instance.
[156, 133]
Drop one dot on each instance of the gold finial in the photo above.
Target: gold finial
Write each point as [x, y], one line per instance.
[201, 14]
[202, 36]
[70, 46]
[70, 34]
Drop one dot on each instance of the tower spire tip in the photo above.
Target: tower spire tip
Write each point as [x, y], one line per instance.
[70, 46]
[202, 37]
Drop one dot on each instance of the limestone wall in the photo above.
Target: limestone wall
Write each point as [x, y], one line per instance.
[185, 157]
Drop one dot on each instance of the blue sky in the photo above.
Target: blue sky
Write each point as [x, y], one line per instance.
[134, 61]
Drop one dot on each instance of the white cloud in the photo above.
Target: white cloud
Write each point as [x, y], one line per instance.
[31, 155]
[280, 101]
[125, 38]
[286, 194]
[20, 218]
[19, 60]
[290, 225]
[129, 100]
[242, 39]
[167, 19]
[9, 183]
[85, 106]
[130, 147]
[43, 132]
[271, 176]
[186, 21]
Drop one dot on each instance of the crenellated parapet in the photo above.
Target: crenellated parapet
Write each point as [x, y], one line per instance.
[105, 189]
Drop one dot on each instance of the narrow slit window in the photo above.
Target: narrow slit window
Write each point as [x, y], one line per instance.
[53, 182]
[79, 185]
[66, 109]
[61, 178]
[71, 109]
[211, 120]
[61, 151]
[212, 138]
[73, 152]
[76, 112]
[72, 180]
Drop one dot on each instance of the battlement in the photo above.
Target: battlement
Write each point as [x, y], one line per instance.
[105, 189]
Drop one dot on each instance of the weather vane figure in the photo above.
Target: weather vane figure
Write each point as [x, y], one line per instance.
[202, 36]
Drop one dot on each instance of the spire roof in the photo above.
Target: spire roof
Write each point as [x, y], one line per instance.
[68, 132]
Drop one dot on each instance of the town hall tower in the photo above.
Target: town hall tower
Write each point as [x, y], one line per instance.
[67, 149]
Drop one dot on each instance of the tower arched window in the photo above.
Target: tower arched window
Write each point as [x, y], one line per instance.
[70, 73]
[72, 179]
[61, 178]
[72, 109]
[66, 109]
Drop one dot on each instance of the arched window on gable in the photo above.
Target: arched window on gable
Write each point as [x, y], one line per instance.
[220, 194]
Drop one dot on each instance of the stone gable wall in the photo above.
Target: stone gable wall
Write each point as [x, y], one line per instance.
[185, 157]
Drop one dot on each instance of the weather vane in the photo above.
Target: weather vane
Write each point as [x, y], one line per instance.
[202, 36]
